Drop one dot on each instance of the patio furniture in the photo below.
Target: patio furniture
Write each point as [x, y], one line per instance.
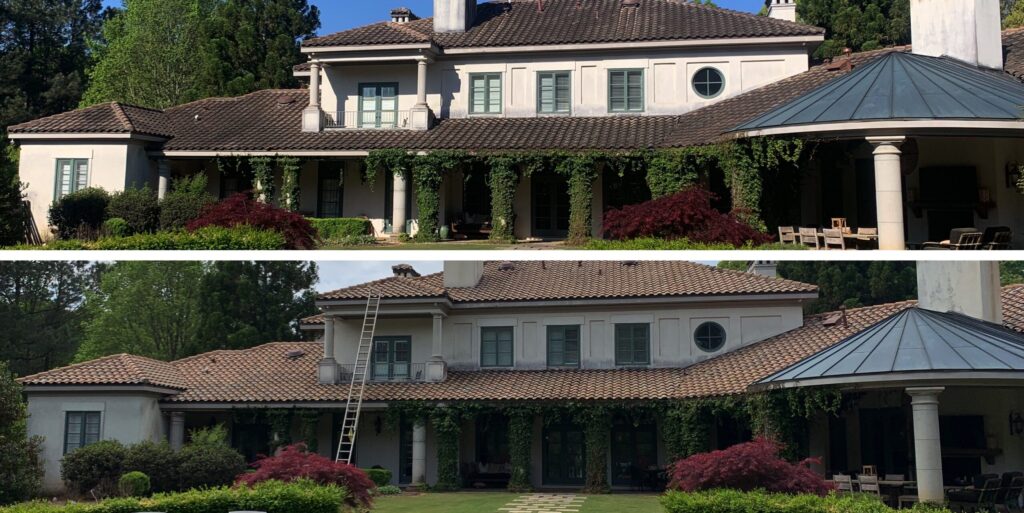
[839, 223]
[834, 239]
[486, 475]
[809, 238]
[960, 239]
[869, 470]
[787, 235]
[844, 483]
[1010, 491]
[997, 238]
[468, 226]
[976, 499]
[869, 485]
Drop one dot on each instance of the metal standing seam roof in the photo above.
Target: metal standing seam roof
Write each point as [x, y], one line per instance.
[903, 86]
[909, 342]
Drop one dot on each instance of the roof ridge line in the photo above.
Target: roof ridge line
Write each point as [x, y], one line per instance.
[72, 366]
[122, 116]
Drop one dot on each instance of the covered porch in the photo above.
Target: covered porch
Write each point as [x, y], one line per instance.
[934, 409]
[910, 147]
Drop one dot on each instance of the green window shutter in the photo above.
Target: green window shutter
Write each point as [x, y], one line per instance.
[496, 347]
[563, 346]
[617, 91]
[563, 92]
[632, 344]
[494, 94]
[485, 93]
[554, 92]
[626, 90]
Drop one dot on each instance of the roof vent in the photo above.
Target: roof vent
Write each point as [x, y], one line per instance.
[631, 3]
[295, 354]
[630, 263]
[284, 99]
[836, 318]
[405, 271]
[402, 15]
[506, 266]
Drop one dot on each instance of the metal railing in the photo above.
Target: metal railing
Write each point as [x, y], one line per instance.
[390, 372]
[373, 120]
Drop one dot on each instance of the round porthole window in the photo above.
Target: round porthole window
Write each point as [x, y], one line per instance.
[708, 82]
[710, 337]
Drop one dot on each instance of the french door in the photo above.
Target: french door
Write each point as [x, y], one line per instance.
[378, 105]
[391, 358]
[564, 456]
[550, 205]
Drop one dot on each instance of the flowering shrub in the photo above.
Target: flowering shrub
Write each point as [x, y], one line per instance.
[293, 462]
[751, 466]
[687, 214]
[240, 209]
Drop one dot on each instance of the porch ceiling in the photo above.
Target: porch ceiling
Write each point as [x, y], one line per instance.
[902, 91]
[910, 347]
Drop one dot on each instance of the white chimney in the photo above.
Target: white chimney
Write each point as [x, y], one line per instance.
[454, 15]
[462, 274]
[967, 287]
[966, 30]
[782, 9]
[766, 268]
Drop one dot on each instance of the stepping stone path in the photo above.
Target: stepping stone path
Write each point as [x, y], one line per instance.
[544, 503]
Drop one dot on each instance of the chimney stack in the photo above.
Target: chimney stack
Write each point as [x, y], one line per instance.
[454, 15]
[462, 274]
[766, 268]
[405, 271]
[782, 10]
[967, 287]
[966, 30]
[402, 15]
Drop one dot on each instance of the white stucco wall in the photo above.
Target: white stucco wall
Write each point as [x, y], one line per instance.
[126, 417]
[671, 329]
[668, 77]
[112, 166]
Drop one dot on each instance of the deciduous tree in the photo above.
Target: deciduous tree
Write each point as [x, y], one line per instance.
[21, 468]
[857, 24]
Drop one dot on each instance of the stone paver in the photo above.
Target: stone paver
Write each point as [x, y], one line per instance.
[545, 503]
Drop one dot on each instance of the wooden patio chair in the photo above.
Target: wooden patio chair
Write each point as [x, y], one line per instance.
[787, 235]
[839, 223]
[809, 238]
[869, 485]
[844, 483]
[979, 499]
[834, 239]
[869, 470]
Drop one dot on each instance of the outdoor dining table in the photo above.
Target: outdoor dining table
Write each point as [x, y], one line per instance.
[858, 239]
[895, 487]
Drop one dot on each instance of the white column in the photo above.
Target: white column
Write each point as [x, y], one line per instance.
[398, 214]
[927, 444]
[419, 454]
[164, 184]
[312, 116]
[889, 192]
[421, 82]
[328, 369]
[437, 370]
[177, 431]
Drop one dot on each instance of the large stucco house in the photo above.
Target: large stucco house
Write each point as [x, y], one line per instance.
[633, 334]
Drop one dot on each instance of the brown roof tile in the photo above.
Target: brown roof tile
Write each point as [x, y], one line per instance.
[520, 23]
[536, 281]
[118, 369]
[103, 118]
[268, 373]
[1013, 47]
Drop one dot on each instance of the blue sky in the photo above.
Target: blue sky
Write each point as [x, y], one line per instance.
[338, 15]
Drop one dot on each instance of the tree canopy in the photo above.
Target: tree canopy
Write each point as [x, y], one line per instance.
[160, 53]
[21, 468]
[857, 24]
[170, 310]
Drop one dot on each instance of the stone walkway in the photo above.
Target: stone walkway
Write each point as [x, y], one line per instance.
[545, 503]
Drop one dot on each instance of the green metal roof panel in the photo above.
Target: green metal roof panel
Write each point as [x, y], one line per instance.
[903, 86]
[914, 340]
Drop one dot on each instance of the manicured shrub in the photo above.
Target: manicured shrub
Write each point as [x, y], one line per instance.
[750, 466]
[734, 501]
[341, 230]
[388, 490]
[687, 214]
[95, 467]
[157, 461]
[240, 209]
[271, 497]
[293, 462]
[379, 476]
[185, 202]
[116, 227]
[138, 208]
[134, 484]
[210, 238]
[80, 214]
[208, 460]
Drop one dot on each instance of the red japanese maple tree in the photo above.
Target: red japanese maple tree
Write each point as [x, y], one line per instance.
[750, 466]
[293, 462]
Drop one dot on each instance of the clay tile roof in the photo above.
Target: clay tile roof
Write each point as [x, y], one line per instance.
[537, 281]
[520, 23]
[108, 118]
[118, 369]
[1013, 46]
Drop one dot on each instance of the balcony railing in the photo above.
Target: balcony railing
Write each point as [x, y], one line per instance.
[372, 120]
[390, 373]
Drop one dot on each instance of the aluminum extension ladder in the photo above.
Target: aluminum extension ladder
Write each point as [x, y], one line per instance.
[360, 371]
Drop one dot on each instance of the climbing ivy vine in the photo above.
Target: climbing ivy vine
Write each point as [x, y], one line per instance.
[748, 163]
[393, 160]
[672, 170]
[290, 167]
[280, 428]
[447, 426]
[428, 173]
[263, 173]
[520, 448]
[581, 170]
[310, 422]
[502, 180]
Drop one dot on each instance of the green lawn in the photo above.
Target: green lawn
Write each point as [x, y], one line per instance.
[489, 502]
